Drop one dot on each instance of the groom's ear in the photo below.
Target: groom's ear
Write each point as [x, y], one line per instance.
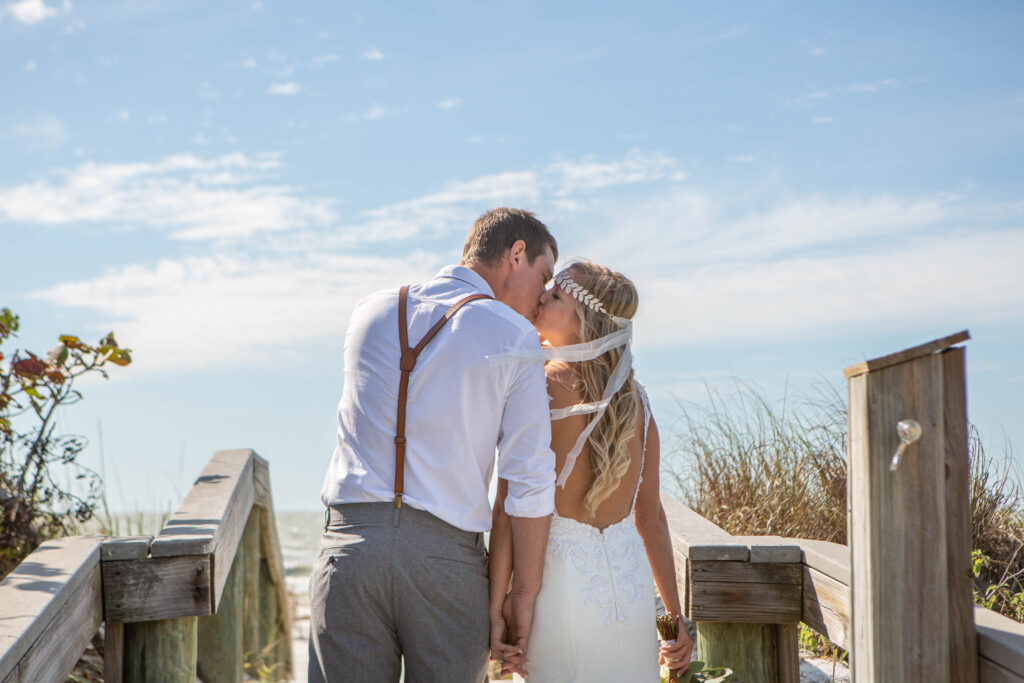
[516, 255]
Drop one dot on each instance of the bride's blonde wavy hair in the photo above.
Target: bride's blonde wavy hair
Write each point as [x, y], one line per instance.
[609, 442]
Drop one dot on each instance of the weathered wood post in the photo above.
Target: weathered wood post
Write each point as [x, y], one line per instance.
[744, 594]
[161, 651]
[909, 530]
[221, 653]
[251, 595]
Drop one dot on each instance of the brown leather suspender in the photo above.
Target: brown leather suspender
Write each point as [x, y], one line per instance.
[408, 362]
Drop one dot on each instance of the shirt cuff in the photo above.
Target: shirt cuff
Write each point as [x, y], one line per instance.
[539, 504]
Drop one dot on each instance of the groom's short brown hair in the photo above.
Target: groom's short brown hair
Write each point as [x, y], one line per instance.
[498, 229]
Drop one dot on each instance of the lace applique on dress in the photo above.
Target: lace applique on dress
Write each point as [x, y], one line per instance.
[599, 557]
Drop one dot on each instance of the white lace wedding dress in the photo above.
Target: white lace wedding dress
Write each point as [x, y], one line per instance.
[594, 619]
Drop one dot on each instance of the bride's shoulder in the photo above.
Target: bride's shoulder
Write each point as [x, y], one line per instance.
[563, 384]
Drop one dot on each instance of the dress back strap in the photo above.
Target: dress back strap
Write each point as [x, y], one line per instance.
[645, 402]
[406, 364]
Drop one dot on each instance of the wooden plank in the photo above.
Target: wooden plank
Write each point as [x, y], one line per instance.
[156, 588]
[907, 354]
[125, 548]
[113, 653]
[990, 672]
[212, 516]
[697, 538]
[161, 651]
[220, 654]
[1000, 639]
[900, 611]
[55, 653]
[787, 652]
[270, 549]
[35, 592]
[743, 592]
[771, 549]
[831, 559]
[251, 594]
[963, 641]
[826, 606]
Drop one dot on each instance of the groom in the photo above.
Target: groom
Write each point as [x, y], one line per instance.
[402, 570]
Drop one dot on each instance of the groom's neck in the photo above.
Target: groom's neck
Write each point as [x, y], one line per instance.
[492, 276]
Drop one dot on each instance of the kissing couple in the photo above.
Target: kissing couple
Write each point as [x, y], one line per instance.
[486, 363]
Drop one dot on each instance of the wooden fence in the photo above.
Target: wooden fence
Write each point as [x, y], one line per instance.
[899, 597]
[206, 597]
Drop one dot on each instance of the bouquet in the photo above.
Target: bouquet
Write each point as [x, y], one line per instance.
[668, 630]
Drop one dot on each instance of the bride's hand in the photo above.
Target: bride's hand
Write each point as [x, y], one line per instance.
[677, 655]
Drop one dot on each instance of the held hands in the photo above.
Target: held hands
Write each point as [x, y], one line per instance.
[510, 631]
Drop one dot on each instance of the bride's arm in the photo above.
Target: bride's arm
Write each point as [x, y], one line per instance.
[500, 570]
[652, 524]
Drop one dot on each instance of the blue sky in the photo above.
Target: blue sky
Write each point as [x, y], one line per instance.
[794, 187]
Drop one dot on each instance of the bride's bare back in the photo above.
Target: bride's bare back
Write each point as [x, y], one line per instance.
[563, 389]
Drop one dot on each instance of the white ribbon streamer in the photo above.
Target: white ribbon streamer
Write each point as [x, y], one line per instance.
[574, 353]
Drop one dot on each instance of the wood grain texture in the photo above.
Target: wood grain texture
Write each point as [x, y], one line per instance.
[900, 627]
[912, 353]
[963, 641]
[220, 655]
[787, 652]
[990, 672]
[161, 651]
[744, 592]
[748, 649]
[1000, 639]
[251, 594]
[125, 548]
[831, 559]
[270, 549]
[698, 538]
[826, 606]
[55, 652]
[113, 653]
[37, 590]
[771, 549]
[156, 588]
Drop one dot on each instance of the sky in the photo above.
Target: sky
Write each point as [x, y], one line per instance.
[794, 187]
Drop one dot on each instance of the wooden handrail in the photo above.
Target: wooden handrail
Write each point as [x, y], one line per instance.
[54, 601]
[824, 601]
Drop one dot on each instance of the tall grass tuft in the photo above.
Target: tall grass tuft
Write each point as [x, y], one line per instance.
[754, 467]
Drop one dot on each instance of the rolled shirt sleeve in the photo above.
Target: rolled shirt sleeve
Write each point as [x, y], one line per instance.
[525, 458]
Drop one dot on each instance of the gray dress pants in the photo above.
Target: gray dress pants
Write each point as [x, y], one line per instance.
[390, 583]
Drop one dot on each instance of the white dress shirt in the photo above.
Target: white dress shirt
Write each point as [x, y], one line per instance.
[460, 407]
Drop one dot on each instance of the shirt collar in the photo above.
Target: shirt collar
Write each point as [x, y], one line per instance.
[468, 276]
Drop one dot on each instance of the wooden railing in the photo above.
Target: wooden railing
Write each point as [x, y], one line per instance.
[206, 597]
[747, 594]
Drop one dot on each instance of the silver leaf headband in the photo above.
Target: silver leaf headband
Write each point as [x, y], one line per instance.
[576, 291]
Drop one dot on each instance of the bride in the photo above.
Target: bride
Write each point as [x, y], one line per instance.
[594, 619]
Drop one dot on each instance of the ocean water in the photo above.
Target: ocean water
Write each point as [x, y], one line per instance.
[299, 535]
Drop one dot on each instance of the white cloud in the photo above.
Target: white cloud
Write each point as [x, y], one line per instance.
[190, 197]
[249, 64]
[320, 61]
[30, 66]
[371, 54]
[45, 132]
[124, 115]
[229, 309]
[742, 159]
[288, 88]
[377, 112]
[821, 119]
[869, 88]
[31, 11]
[712, 266]
[449, 103]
